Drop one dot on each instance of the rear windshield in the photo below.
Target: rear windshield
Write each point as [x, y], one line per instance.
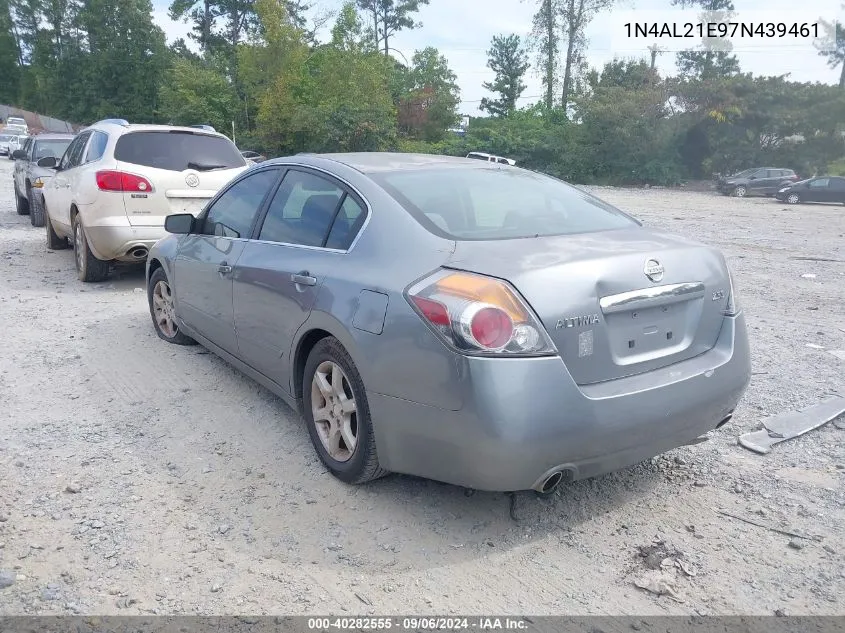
[178, 151]
[54, 148]
[5, 138]
[495, 203]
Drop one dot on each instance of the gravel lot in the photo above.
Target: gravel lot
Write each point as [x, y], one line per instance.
[139, 477]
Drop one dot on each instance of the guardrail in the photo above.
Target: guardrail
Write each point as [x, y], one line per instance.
[38, 122]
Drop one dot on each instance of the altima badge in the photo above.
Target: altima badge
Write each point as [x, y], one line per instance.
[653, 270]
[579, 321]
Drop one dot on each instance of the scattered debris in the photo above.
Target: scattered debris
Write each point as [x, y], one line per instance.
[659, 586]
[808, 276]
[814, 346]
[685, 567]
[796, 544]
[763, 525]
[786, 426]
[818, 259]
[657, 553]
[7, 579]
[364, 599]
[73, 488]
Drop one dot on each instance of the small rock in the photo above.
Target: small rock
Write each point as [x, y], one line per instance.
[3, 517]
[223, 528]
[97, 524]
[699, 484]
[737, 489]
[796, 544]
[829, 549]
[7, 579]
[334, 547]
[680, 461]
[50, 592]
[215, 588]
[780, 613]
[73, 488]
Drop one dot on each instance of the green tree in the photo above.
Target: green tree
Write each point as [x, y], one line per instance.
[714, 57]
[431, 96]
[194, 92]
[575, 15]
[389, 17]
[9, 56]
[508, 60]
[545, 41]
[832, 47]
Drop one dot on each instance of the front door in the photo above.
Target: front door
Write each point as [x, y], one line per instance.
[308, 227]
[206, 259]
[60, 194]
[818, 190]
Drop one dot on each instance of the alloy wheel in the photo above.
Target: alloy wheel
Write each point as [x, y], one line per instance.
[739, 192]
[335, 411]
[792, 198]
[163, 310]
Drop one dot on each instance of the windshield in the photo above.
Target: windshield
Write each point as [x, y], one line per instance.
[178, 151]
[4, 138]
[55, 148]
[494, 203]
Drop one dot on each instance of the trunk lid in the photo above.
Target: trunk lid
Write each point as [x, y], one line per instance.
[185, 191]
[591, 291]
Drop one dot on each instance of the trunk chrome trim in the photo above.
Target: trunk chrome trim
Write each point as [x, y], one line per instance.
[650, 297]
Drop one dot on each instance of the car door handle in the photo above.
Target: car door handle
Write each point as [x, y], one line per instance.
[303, 279]
[224, 269]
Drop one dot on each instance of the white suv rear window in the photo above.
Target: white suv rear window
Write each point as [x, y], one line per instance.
[178, 150]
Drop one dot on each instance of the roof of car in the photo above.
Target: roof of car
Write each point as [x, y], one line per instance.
[53, 136]
[150, 127]
[370, 162]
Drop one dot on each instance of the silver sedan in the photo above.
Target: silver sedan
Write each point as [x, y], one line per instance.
[470, 322]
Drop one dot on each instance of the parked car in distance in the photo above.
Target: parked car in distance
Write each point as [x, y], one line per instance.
[117, 182]
[254, 157]
[443, 317]
[490, 158]
[15, 144]
[824, 189]
[759, 181]
[29, 178]
[8, 143]
[17, 121]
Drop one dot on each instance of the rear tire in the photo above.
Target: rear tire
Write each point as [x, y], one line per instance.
[54, 242]
[338, 385]
[88, 268]
[36, 209]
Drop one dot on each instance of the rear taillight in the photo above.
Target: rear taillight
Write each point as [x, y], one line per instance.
[111, 180]
[479, 315]
[732, 307]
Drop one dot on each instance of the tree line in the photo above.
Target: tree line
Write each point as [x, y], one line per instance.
[292, 80]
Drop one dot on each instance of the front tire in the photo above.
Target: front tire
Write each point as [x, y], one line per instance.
[793, 198]
[21, 204]
[88, 268]
[36, 209]
[740, 191]
[336, 411]
[163, 310]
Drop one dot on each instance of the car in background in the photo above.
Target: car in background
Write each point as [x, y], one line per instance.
[758, 181]
[253, 157]
[491, 158]
[17, 121]
[116, 182]
[9, 143]
[15, 144]
[203, 126]
[442, 317]
[29, 178]
[824, 189]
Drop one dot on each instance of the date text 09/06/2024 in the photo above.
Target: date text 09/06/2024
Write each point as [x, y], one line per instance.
[722, 29]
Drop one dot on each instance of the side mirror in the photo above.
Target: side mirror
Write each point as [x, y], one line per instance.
[48, 162]
[179, 223]
[18, 154]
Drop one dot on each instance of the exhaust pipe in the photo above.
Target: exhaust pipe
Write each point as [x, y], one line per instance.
[551, 483]
[139, 253]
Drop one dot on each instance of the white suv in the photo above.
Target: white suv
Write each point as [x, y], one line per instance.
[117, 182]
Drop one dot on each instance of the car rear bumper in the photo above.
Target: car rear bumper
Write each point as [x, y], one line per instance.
[526, 418]
[113, 238]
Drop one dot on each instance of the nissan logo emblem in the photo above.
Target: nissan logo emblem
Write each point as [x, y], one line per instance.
[653, 270]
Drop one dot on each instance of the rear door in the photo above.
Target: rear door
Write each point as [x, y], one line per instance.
[758, 181]
[186, 170]
[21, 167]
[206, 259]
[308, 227]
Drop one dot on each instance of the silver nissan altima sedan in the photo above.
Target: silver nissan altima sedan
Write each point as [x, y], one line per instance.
[469, 322]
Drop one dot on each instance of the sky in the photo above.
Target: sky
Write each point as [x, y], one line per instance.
[462, 30]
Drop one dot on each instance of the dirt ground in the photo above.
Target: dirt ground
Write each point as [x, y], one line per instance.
[137, 477]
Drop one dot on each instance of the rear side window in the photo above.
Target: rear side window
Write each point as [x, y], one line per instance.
[492, 203]
[97, 147]
[178, 151]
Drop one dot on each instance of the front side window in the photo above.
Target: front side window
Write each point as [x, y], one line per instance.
[302, 211]
[74, 151]
[178, 150]
[492, 203]
[233, 213]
